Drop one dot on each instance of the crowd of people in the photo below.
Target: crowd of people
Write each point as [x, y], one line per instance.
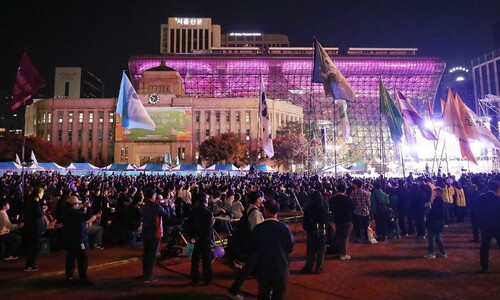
[95, 210]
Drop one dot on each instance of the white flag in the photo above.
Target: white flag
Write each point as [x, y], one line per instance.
[18, 161]
[33, 158]
[267, 142]
[345, 128]
[130, 107]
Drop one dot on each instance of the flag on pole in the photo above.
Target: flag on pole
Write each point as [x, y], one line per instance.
[177, 162]
[267, 142]
[485, 135]
[409, 138]
[169, 158]
[452, 123]
[28, 81]
[33, 158]
[18, 161]
[325, 71]
[130, 107]
[391, 113]
[470, 127]
[413, 117]
[345, 128]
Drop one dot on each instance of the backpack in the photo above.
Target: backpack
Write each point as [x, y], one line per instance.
[242, 226]
[240, 238]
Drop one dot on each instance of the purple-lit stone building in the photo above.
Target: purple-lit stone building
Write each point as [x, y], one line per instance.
[287, 76]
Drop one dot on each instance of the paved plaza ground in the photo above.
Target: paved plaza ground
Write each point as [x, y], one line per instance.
[393, 269]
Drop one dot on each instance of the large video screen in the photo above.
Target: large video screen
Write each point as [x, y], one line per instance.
[172, 124]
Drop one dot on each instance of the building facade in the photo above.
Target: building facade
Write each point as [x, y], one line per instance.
[261, 40]
[286, 72]
[77, 83]
[90, 126]
[186, 35]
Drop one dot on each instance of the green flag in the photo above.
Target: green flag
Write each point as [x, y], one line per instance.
[389, 109]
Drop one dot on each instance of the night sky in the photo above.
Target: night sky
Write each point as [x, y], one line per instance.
[100, 35]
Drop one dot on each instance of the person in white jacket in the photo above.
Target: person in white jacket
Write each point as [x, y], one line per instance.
[12, 241]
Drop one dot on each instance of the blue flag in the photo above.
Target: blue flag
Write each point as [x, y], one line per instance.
[325, 71]
[130, 107]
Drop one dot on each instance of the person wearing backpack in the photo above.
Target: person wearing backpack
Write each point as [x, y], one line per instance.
[250, 219]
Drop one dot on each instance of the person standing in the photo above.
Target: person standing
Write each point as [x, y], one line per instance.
[489, 223]
[199, 229]
[76, 238]
[254, 217]
[315, 222]
[361, 218]
[272, 242]
[380, 209]
[33, 227]
[435, 225]
[152, 215]
[472, 203]
[342, 210]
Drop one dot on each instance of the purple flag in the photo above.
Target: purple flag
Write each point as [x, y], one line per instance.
[413, 117]
[28, 81]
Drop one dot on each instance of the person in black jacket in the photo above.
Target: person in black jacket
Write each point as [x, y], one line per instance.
[33, 227]
[199, 229]
[272, 242]
[315, 222]
[489, 222]
[75, 237]
[342, 209]
[435, 225]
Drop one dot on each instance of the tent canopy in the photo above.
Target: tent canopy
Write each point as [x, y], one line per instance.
[121, 167]
[259, 168]
[82, 166]
[188, 167]
[228, 167]
[9, 165]
[50, 166]
[154, 167]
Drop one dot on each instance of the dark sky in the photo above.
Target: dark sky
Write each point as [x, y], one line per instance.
[100, 35]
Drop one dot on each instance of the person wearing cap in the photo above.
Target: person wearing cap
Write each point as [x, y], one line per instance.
[76, 237]
[435, 225]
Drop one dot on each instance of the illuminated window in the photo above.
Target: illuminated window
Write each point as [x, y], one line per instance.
[111, 117]
[60, 118]
[80, 117]
[247, 137]
[247, 117]
[124, 153]
[91, 117]
[70, 117]
[48, 137]
[101, 117]
[49, 118]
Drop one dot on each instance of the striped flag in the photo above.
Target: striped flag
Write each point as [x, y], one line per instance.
[413, 117]
[267, 142]
[409, 138]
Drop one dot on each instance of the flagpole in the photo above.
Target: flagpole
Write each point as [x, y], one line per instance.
[334, 136]
[259, 121]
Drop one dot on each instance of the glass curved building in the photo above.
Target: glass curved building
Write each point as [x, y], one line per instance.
[287, 76]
